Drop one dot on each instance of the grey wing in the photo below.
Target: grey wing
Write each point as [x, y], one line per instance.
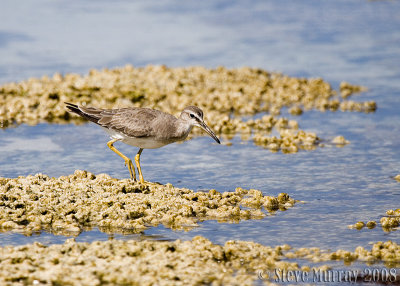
[134, 122]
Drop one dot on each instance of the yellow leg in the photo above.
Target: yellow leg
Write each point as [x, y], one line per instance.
[137, 161]
[128, 161]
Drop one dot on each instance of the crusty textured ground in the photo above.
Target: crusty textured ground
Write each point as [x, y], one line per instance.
[195, 262]
[227, 96]
[71, 203]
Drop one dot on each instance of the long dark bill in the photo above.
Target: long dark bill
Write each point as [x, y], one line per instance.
[209, 131]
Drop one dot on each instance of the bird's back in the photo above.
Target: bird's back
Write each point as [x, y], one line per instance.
[154, 128]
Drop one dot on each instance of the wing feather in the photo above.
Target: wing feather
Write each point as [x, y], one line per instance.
[134, 122]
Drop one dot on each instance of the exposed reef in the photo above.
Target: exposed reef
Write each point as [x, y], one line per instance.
[195, 262]
[69, 204]
[228, 97]
[389, 222]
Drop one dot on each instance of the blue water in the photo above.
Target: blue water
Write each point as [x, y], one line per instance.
[355, 41]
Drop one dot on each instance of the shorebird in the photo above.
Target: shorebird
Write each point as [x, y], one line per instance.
[144, 128]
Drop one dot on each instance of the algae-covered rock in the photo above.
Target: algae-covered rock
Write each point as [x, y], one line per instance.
[71, 203]
[347, 89]
[388, 222]
[371, 224]
[225, 95]
[194, 262]
[340, 140]
[387, 252]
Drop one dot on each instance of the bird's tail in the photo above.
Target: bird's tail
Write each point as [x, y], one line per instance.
[90, 113]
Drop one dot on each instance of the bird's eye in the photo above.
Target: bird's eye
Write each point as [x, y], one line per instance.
[191, 115]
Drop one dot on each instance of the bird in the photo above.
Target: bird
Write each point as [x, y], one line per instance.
[144, 128]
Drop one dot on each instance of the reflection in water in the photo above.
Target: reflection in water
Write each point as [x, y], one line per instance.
[41, 144]
[356, 42]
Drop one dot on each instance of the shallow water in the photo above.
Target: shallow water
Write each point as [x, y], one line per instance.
[356, 41]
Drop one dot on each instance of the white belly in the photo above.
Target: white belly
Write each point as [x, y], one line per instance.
[145, 143]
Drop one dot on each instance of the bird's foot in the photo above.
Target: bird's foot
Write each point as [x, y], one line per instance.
[141, 179]
[131, 169]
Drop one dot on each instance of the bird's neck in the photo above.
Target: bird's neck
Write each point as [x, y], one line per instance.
[183, 129]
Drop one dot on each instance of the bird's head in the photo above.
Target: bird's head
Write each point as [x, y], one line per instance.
[194, 116]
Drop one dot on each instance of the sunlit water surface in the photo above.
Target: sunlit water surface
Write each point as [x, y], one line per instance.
[356, 41]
